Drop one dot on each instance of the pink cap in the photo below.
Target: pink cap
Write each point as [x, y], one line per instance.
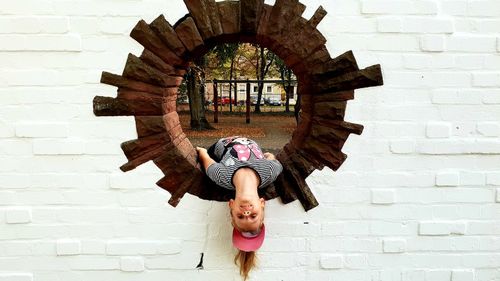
[248, 241]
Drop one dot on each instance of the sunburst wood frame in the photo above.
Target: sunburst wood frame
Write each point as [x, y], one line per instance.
[147, 89]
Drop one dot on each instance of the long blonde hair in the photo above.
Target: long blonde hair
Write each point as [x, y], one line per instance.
[246, 261]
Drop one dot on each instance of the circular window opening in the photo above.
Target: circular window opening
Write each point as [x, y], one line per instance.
[239, 89]
[148, 90]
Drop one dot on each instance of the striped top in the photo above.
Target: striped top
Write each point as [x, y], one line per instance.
[235, 152]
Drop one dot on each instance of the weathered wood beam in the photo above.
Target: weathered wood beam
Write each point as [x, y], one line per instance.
[251, 11]
[140, 151]
[153, 60]
[318, 16]
[122, 82]
[149, 125]
[188, 34]
[344, 63]
[368, 77]
[143, 34]
[229, 14]
[167, 34]
[136, 69]
[107, 106]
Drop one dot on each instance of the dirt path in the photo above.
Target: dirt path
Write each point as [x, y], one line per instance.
[271, 131]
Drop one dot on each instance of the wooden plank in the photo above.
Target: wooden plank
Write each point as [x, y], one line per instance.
[189, 35]
[133, 95]
[338, 124]
[331, 110]
[284, 188]
[333, 96]
[154, 61]
[318, 16]
[302, 190]
[344, 63]
[107, 106]
[167, 35]
[143, 34]
[324, 151]
[122, 82]
[251, 11]
[283, 13]
[229, 14]
[368, 77]
[149, 125]
[198, 9]
[215, 22]
[142, 150]
[137, 70]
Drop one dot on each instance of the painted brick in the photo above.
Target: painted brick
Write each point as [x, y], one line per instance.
[131, 181]
[42, 129]
[57, 43]
[402, 146]
[389, 24]
[437, 274]
[67, 247]
[126, 247]
[393, 42]
[345, 228]
[394, 245]
[470, 61]
[33, 25]
[440, 62]
[16, 276]
[492, 98]
[93, 247]
[489, 129]
[449, 178]
[116, 25]
[354, 24]
[57, 147]
[454, 96]
[441, 228]
[428, 25]
[472, 178]
[6, 130]
[355, 261]
[94, 263]
[331, 261]
[484, 227]
[417, 61]
[18, 215]
[486, 80]
[483, 8]
[135, 264]
[462, 43]
[462, 275]
[438, 130]
[383, 196]
[454, 7]
[432, 43]
[399, 7]
[16, 147]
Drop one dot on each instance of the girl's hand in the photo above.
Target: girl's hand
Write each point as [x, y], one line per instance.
[200, 149]
[269, 156]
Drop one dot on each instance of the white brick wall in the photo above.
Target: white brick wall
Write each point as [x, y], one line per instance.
[417, 200]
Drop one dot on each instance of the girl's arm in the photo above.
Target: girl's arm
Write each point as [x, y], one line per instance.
[204, 158]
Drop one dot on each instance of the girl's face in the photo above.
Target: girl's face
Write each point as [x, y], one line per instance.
[247, 214]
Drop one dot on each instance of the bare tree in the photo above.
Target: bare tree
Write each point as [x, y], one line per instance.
[195, 84]
[266, 59]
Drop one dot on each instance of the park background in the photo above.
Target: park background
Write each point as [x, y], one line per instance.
[417, 199]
